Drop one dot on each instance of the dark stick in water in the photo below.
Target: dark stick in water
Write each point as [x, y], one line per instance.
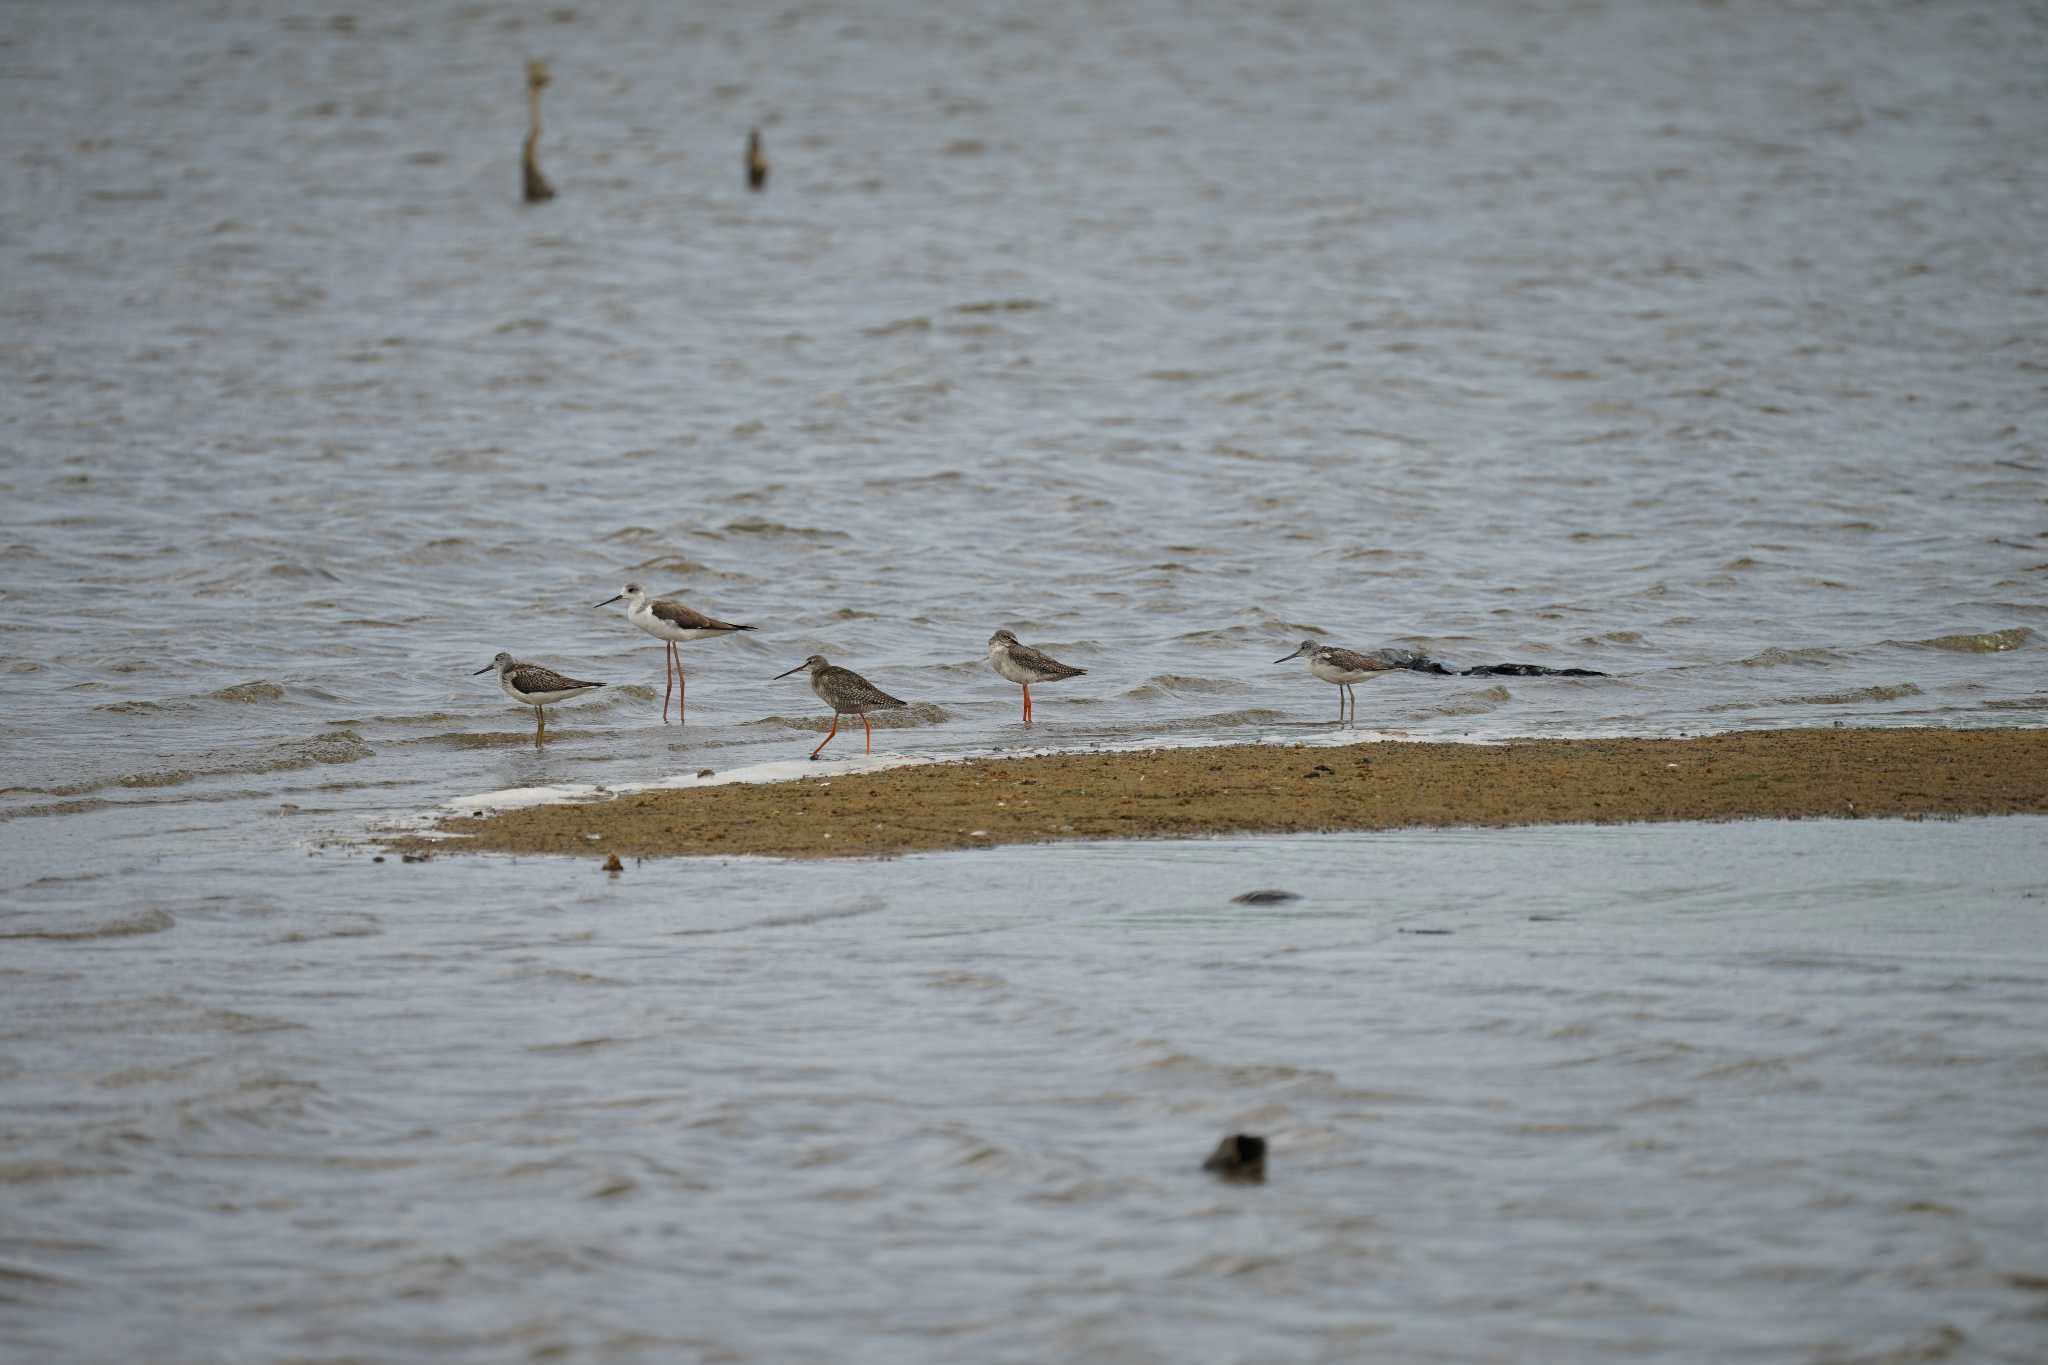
[538, 190]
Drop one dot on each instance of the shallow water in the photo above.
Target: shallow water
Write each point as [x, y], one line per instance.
[1553, 1093]
[1702, 345]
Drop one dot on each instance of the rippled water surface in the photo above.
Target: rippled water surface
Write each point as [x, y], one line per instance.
[1537, 1094]
[1705, 345]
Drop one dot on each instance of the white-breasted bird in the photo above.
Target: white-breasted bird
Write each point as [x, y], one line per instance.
[1024, 665]
[670, 621]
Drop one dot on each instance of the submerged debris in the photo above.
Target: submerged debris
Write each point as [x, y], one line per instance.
[1240, 1158]
[1267, 897]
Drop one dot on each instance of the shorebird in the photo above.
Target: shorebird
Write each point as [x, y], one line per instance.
[670, 621]
[757, 164]
[532, 685]
[1024, 665]
[1342, 667]
[846, 692]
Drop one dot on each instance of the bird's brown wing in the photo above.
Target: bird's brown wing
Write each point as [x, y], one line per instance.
[676, 614]
[1043, 663]
[534, 678]
[847, 686]
[1352, 661]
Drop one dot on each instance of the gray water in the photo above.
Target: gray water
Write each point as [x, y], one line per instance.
[1704, 345]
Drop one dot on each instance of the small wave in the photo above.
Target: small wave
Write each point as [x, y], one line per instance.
[343, 746]
[1176, 684]
[1893, 692]
[1003, 306]
[761, 526]
[917, 713]
[260, 689]
[1990, 642]
[914, 480]
[285, 568]
[2018, 704]
[442, 550]
[133, 708]
[1255, 715]
[677, 565]
[1473, 703]
[126, 926]
[1879, 693]
[886, 329]
[1181, 1064]
[1776, 658]
[488, 739]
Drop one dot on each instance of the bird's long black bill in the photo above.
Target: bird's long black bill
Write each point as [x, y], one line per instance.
[481, 671]
[1295, 655]
[780, 676]
[609, 600]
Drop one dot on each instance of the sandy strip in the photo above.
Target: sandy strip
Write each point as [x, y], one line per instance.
[1243, 789]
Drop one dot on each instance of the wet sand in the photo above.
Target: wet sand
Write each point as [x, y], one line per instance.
[1245, 789]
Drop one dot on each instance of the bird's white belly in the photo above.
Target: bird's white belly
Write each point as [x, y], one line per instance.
[540, 698]
[1330, 673]
[1000, 660]
[669, 630]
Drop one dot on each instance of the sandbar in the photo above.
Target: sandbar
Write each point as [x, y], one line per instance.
[1289, 788]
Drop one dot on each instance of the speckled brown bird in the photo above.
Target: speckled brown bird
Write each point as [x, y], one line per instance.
[847, 693]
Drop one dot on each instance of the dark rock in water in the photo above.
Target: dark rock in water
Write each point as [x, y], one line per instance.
[1529, 671]
[1239, 1157]
[1264, 898]
[1421, 663]
[1409, 659]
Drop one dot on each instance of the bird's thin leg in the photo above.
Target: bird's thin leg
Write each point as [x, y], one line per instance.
[871, 730]
[1027, 703]
[1340, 703]
[682, 684]
[668, 677]
[828, 734]
[540, 723]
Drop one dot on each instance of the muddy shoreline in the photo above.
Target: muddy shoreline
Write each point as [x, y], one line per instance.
[1272, 788]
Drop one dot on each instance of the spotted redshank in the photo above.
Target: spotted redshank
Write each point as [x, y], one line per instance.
[532, 685]
[1342, 667]
[1024, 665]
[847, 693]
[671, 621]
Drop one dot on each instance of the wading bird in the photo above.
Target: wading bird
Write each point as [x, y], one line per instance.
[847, 693]
[532, 685]
[1024, 665]
[670, 621]
[1342, 667]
